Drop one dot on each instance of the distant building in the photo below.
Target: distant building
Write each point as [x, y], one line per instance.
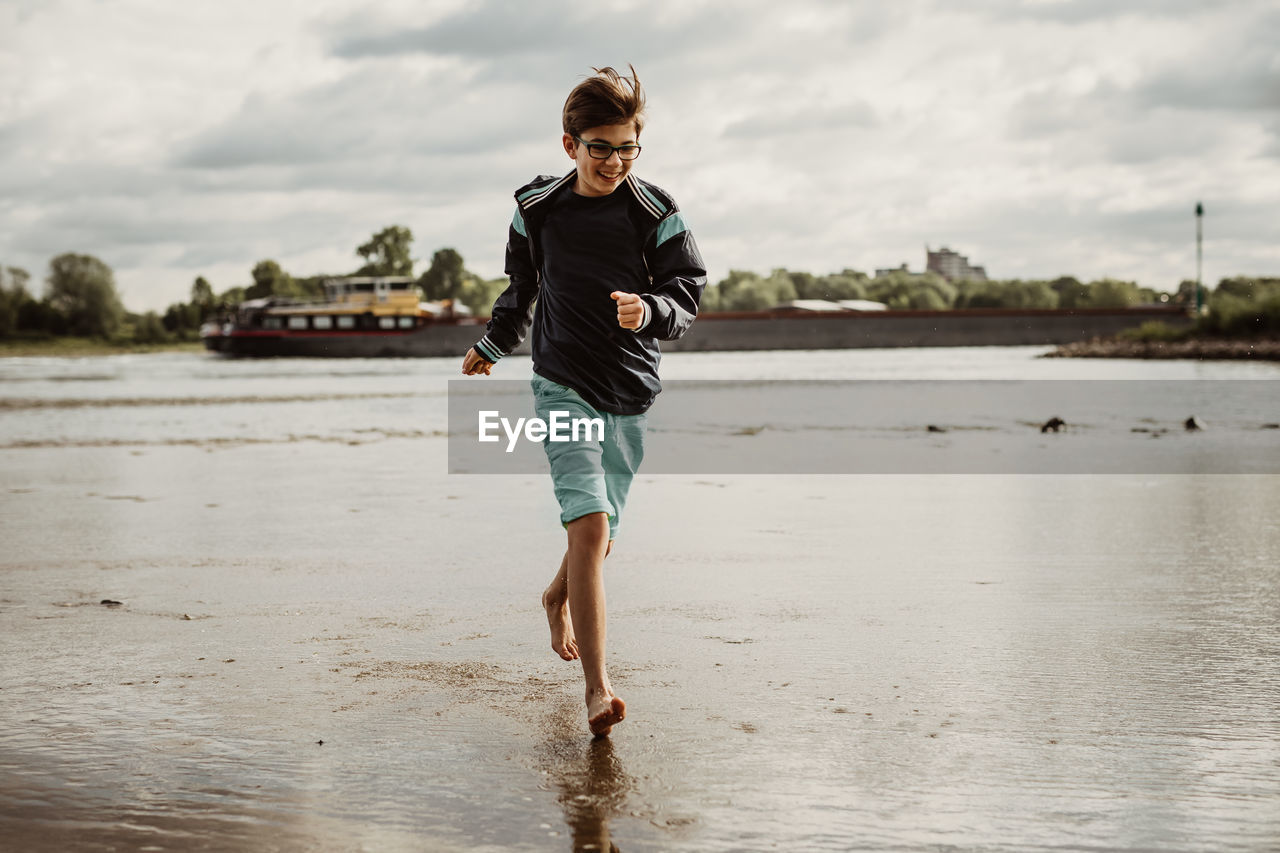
[953, 266]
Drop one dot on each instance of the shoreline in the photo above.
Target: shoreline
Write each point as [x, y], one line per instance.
[72, 347]
[1216, 349]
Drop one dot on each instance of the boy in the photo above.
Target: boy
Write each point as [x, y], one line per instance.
[614, 270]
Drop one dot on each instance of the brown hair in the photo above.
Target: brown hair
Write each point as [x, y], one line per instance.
[606, 98]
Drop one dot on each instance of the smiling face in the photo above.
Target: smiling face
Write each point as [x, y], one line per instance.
[601, 177]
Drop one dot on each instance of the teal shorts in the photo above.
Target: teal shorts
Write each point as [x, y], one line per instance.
[589, 474]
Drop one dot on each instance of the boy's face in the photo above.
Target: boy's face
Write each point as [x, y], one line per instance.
[601, 177]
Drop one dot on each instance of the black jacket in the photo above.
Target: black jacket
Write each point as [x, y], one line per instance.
[624, 377]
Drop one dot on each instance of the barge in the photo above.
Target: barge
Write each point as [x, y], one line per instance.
[371, 317]
[360, 317]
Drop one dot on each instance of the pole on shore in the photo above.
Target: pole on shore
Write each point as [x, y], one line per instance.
[1199, 256]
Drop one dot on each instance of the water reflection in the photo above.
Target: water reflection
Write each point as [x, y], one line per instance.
[593, 789]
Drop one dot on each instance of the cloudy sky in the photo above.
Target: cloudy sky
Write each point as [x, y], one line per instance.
[1039, 137]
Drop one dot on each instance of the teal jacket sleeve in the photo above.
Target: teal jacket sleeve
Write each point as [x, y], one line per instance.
[678, 276]
[513, 310]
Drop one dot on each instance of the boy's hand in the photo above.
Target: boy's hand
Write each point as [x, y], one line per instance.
[475, 363]
[630, 309]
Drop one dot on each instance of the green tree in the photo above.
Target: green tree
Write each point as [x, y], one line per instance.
[728, 286]
[977, 294]
[843, 285]
[270, 280]
[83, 289]
[904, 291]
[930, 298]
[778, 288]
[746, 291]
[1072, 293]
[1014, 293]
[1033, 294]
[148, 329]
[387, 252]
[1239, 287]
[1242, 307]
[1252, 289]
[479, 295]
[445, 277]
[1229, 314]
[13, 296]
[710, 300]
[230, 298]
[1149, 295]
[15, 277]
[806, 285]
[41, 316]
[1186, 292]
[202, 294]
[742, 290]
[1111, 293]
[181, 319]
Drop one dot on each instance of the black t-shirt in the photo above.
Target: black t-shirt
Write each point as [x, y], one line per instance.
[592, 246]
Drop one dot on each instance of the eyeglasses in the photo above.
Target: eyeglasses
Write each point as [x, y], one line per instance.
[603, 150]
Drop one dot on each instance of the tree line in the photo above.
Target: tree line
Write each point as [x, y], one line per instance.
[80, 296]
[900, 290]
[1240, 306]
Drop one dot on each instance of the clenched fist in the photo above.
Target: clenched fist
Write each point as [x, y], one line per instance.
[630, 309]
[475, 363]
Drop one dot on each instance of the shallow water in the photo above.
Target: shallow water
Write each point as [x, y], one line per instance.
[860, 662]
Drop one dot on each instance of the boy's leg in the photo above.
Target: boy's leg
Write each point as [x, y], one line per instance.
[588, 544]
[578, 624]
[575, 474]
[555, 600]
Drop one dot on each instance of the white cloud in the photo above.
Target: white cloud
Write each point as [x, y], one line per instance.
[1040, 138]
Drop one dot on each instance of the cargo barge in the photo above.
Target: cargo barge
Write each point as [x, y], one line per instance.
[383, 317]
[360, 317]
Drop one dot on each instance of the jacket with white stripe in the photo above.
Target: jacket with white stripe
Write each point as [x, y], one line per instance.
[624, 381]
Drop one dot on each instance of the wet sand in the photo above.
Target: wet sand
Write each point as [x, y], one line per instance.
[336, 646]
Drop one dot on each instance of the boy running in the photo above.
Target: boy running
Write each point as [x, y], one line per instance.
[614, 270]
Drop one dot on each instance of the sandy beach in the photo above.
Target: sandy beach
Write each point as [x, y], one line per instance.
[334, 645]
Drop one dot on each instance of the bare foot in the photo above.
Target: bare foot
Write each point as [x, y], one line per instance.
[562, 640]
[603, 711]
